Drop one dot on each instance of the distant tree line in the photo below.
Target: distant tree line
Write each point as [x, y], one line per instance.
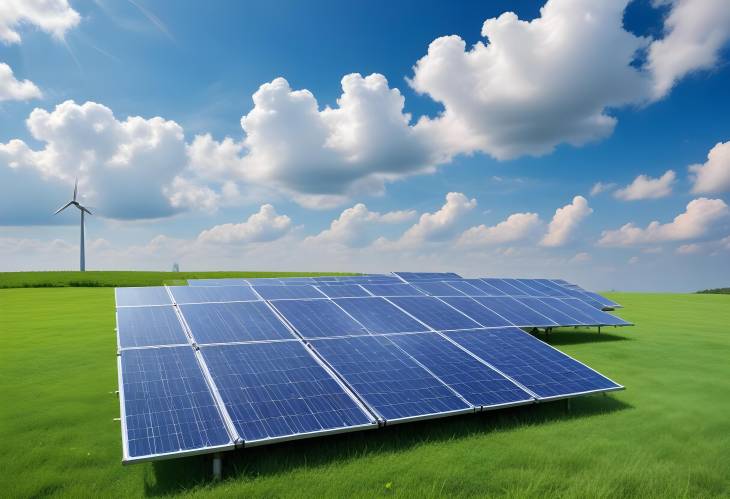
[716, 291]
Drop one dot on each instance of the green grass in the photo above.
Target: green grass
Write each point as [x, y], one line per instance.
[107, 278]
[666, 435]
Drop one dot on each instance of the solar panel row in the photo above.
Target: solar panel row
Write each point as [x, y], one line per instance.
[291, 367]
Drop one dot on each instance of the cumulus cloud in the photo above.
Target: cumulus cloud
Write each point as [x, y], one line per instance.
[713, 176]
[14, 89]
[124, 167]
[695, 31]
[565, 221]
[433, 227]
[515, 227]
[695, 222]
[55, 17]
[264, 226]
[354, 226]
[536, 83]
[600, 187]
[645, 187]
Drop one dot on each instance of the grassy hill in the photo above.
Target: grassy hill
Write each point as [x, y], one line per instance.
[666, 435]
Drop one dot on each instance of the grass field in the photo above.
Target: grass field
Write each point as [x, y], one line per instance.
[666, 435]
[123, 278]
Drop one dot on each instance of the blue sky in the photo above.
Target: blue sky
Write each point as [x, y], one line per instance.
[143, 102]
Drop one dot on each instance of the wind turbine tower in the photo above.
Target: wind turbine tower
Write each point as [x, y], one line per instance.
[83, 210]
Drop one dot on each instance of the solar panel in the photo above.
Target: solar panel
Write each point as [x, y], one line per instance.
[479, 384]
[379, 316]
[132, 297]
[525, 289]
[278, 391]
[147, 326]
[438, 288]
[481, 314]
[318, 318]
[557, 316]
[467, 287]
[227, 281]
[558, 304]
[488, 289]
[232, 322]
[388, 290]
[599, 317]
[343, 291]
[167, 407]
[434, 312]
[504, 287]
[515, 312]
[208, 294]
[426, 276]
[387, 379]
[288, 292]
[540, 368]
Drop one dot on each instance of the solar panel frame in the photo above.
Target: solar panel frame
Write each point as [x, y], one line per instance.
[127, 458]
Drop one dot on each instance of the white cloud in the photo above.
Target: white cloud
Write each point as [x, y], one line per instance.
[13, 89]
[515, 227]
[695, 32]
[535, 84]
[52, 16]
[600, 187]
[713, 176]
[695, 222]
[436, 226]
[264, 226]
[123, 167]
[184, 194]
[354, 225]
[645, 187]
[565, 221]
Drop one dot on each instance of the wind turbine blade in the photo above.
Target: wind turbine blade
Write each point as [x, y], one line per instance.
[83, 208]
[76, 188]
[63, 207]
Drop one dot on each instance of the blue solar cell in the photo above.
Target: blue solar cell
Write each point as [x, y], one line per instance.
[157, 295]
[515, 312]
[437, 288]
[318, 318]
[168, 407]
[392, 290]
[466, 286]
[557, 316]
[558, 304]
[230, 322]
[208, 294]
[537, 285]
[343, 291]
[552, 288]
[380, 316]
[228, 281]
[427, 276]
[387, 379]
[278, 390]
[525, 289]
[504, 287]
[148, 326]
[287, 292]
[599, 317]
[544, 370]
[574, 293]
[475, 310]
[434, 312]
[479, 384]
[530, 285]
[488, 289]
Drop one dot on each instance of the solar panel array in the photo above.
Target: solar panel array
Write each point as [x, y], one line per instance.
[227, 363]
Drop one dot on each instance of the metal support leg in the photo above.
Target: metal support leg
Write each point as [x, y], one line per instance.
[567, 406]
[599, 329]
[217, 466]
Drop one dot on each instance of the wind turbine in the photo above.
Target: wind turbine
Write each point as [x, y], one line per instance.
[83, 210]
